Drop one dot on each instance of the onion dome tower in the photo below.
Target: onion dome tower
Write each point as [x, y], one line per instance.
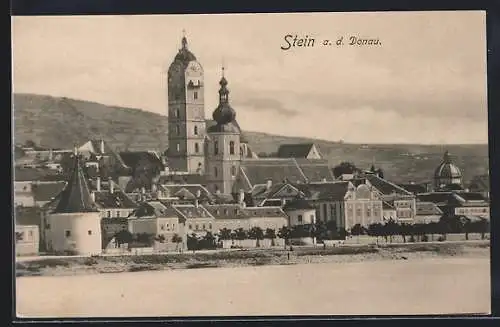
[447, 173]
[223, 145]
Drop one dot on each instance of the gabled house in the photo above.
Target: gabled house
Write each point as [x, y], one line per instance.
[427, 212]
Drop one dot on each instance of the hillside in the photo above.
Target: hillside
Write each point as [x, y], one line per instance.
[62, 122]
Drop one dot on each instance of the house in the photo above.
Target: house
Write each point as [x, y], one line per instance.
[27, 239]
[300, 150]
[300, 212]
[459, 203]
[402, 200]
[36, 193]
[158, 219]
[187, 193]
[197, 219]
[427, 212]
[389, 212]
[74, 225]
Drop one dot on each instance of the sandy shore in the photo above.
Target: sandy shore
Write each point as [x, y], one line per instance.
[113, 264]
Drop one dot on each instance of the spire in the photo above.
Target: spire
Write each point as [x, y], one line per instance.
[446, 157]
[184, 39]
[76, 195]
[223, 91]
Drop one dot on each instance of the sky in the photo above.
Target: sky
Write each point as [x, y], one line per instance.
[425, 82]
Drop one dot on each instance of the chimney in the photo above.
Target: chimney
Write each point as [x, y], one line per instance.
[102, 146]
[111, 186]
[98, 184]
[92, 196]
[269, 184]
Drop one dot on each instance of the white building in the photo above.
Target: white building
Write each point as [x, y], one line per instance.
[74, 227]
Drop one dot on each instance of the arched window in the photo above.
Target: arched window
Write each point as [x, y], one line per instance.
[233, 171]
[177, 113]
[196, 130]
[215, 172]
[195, 95]
[216, 147]
[177, 129]
[231, 147]
[196, 148]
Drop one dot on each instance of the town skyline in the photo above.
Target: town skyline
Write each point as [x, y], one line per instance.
[420, 81]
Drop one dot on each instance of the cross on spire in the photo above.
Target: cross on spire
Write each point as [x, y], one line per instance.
[223, 67]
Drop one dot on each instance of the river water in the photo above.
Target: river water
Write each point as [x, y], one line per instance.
[426, 286]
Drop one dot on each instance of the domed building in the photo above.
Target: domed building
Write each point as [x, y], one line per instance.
[447, 173]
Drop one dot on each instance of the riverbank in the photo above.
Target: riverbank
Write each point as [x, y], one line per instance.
[68, 266]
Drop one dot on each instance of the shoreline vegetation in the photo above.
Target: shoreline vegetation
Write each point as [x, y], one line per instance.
[67, 266]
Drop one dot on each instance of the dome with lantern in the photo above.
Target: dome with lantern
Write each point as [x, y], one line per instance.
[224, 115]
[447, 172]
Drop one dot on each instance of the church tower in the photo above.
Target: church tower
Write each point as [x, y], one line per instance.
[223, 145]
[186, 113]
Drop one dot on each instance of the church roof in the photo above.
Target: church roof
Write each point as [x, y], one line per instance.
[384, 186]
[184, 56]
[300, 150]
[76, 195]
[447, 169]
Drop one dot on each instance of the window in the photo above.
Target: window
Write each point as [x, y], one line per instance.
[300, 219]
[368, 212]
[173, 226]
[197, 227]
[233, 171]
[216, 147]
[196, 148]
[177, 113]
[236, 211]
[68, 233]
[215, 172]
[195, 95]
[109, 214]
[177, 130]
[226, 212]
[89, 232]
[196, 130]
[209, 226]
[204, 227]
[190, 226]
[231, 147]
[30, 233]
[118, 214]
[162, 227]
[312, 218]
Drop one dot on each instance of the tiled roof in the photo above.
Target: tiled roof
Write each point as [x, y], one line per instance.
[258, 171]
[453, 198]
[297, 204]
[117, 199]
[427, 209]
[439, 198]
[154, 209]
[191, 211]
[294, 150]
[384, 186]
[188, 191]
[331, 191]
[183, 179]
[414, 188]
[46, 191]
[76, 195]
[470, 196]
[27, 216]
[95, 148]
[315, 170]
[37, 174]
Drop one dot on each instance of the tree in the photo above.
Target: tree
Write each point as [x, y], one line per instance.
[208, 241]
[357, 230]
[160, 238]
[344, 168]
[405, 230]
[225, 234]
[240, 234]
[270, 234]
[256, 233]
[192, 242]
[123, 237]
[284, 233]
[332, 230]
[177, 240]
[320, 231]
[19, 236]
[390, 229]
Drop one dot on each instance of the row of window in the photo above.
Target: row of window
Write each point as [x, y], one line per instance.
[178, 130]
[368, 213]
[197, 227]
[471, 210]
[68, 233]
[167, 226]
[231, 148]
[301, 220]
